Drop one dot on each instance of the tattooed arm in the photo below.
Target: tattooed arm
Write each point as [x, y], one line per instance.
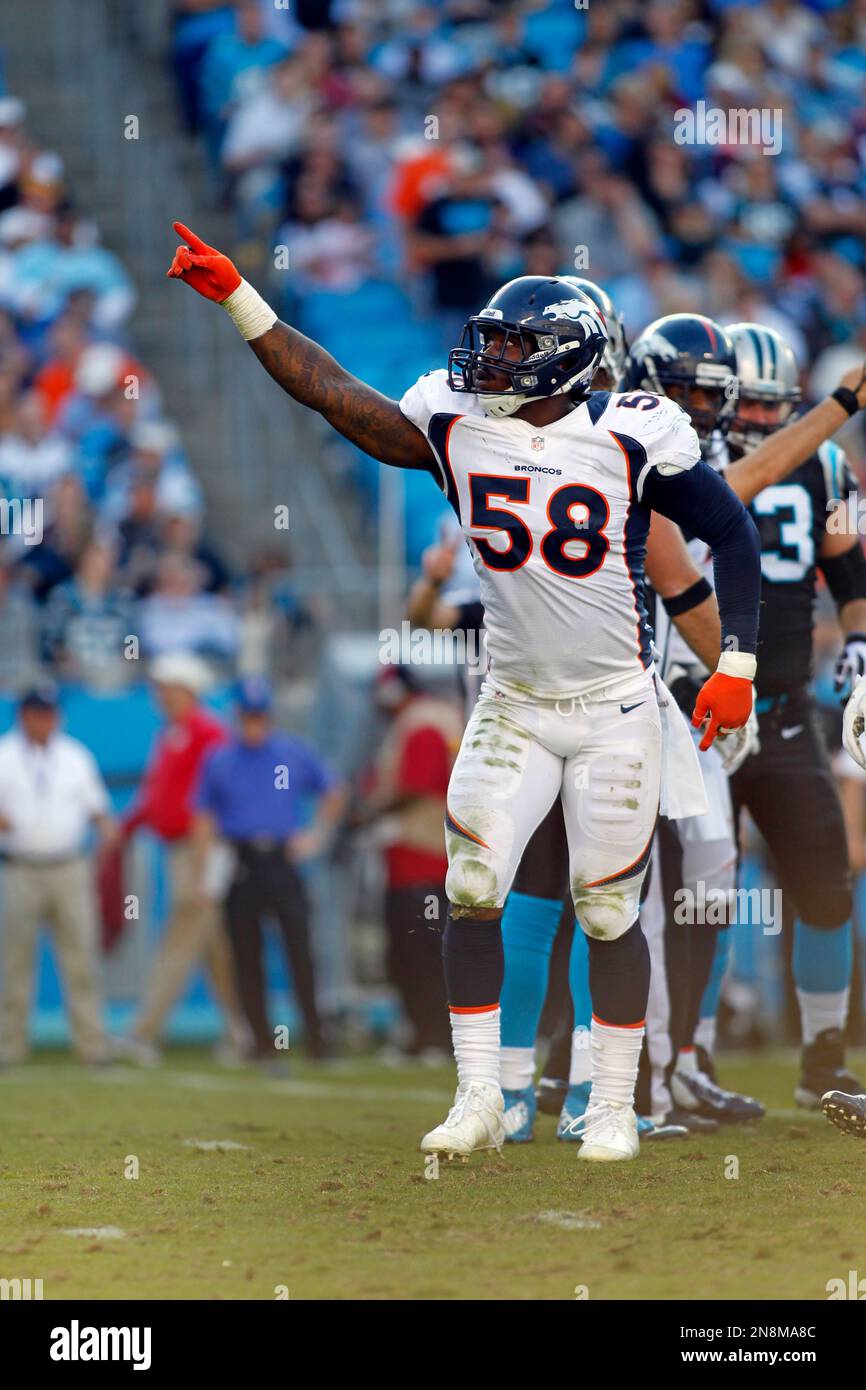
[311, 375]
[306, 371]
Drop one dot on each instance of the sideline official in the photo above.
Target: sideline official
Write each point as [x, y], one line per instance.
[254, 794]
[51, 793]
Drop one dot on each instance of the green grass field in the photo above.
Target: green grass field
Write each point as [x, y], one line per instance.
[328, 1197]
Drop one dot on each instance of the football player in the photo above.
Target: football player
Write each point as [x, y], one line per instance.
[689, 357]
[534, 911]
[819, 959]
[787, 785]
[554, 487]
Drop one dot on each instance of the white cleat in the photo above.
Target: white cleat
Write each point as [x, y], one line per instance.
[609, 1133]
[474, 1122]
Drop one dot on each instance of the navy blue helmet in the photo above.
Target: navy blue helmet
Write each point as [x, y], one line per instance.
[537, 337]
[681, 352]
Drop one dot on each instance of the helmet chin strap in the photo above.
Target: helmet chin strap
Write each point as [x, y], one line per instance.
[506, 404]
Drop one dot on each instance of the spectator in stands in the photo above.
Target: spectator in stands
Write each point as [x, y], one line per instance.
[165, 805]
[262, 133]
[32, 457]
[98, 417]
[233, 66]
[412, 770]
[55, 380]
[13, 144]
[156, 454]
[277, 625]
[255, 794]
[51, 794]
[181, 534]
[452, 239]
[88, 622]
[67, 531]
[329, 246]
[19, 629]
[179, 616]
[139, 535]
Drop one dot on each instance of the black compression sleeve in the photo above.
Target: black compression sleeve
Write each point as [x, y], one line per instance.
[845, 575]
[704, 506]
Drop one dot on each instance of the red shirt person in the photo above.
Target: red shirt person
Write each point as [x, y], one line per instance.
[165, 806]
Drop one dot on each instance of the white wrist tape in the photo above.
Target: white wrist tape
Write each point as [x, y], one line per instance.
[252, 316]
[742, 664]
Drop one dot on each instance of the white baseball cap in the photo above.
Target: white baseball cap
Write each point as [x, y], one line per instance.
[181, 668]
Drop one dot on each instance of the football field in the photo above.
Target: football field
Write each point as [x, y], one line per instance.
[312, 1188]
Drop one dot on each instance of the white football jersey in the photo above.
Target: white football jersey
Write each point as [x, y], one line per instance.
[557, 529]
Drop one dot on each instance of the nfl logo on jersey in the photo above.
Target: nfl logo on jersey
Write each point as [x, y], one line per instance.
[537, 443]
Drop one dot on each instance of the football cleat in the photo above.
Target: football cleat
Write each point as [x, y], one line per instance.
[689, 1119]
[700, 1094]
[574, 1107]
[550, 1095]
[608, 1133]
[847, 1113]
[648, 1129]
[136, 1050]
[823, 1069]
[473, 1122]
[519, 1117]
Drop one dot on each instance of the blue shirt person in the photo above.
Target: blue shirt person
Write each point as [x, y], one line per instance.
[256, 792]
[268, 786]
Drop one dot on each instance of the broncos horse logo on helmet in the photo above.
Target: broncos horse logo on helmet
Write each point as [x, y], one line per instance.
[537, 337]
[615, 356]
[691, 359]
[769, 378]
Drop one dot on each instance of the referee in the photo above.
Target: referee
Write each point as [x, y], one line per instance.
[254, 794]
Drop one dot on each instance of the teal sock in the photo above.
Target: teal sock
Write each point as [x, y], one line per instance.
[713, 990]
[528, 930]
[823, 958]
[578, 979]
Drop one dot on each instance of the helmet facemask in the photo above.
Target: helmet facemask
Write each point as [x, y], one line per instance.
[745, 434]
[546, 363]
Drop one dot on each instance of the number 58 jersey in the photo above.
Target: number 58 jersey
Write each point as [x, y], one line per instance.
[556, 526]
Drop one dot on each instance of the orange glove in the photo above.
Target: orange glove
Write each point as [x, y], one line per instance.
[203, 267]
[725, 701]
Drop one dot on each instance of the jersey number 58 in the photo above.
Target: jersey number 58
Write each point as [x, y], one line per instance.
[564, 527]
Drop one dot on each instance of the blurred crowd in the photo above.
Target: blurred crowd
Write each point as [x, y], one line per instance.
[104, 554]
[448, 145]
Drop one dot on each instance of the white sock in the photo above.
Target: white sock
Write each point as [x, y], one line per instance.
[687, 1060]
[517, 1067]
[476, 1046]
[705, 1033]
[820, 1011]
[615, 1058]
[581, 1056]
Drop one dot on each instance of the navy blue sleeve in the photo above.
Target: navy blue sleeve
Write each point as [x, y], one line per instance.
[704, 506]
[470, 616]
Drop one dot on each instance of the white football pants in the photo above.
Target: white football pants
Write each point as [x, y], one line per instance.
[601, 753]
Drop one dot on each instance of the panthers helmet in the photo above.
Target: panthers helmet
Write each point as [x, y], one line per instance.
[685, 351]
[616, 353]
[767, 371]
[537, 337]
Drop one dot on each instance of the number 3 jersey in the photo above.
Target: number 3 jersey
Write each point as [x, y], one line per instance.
[792, 518]
[556, 526]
